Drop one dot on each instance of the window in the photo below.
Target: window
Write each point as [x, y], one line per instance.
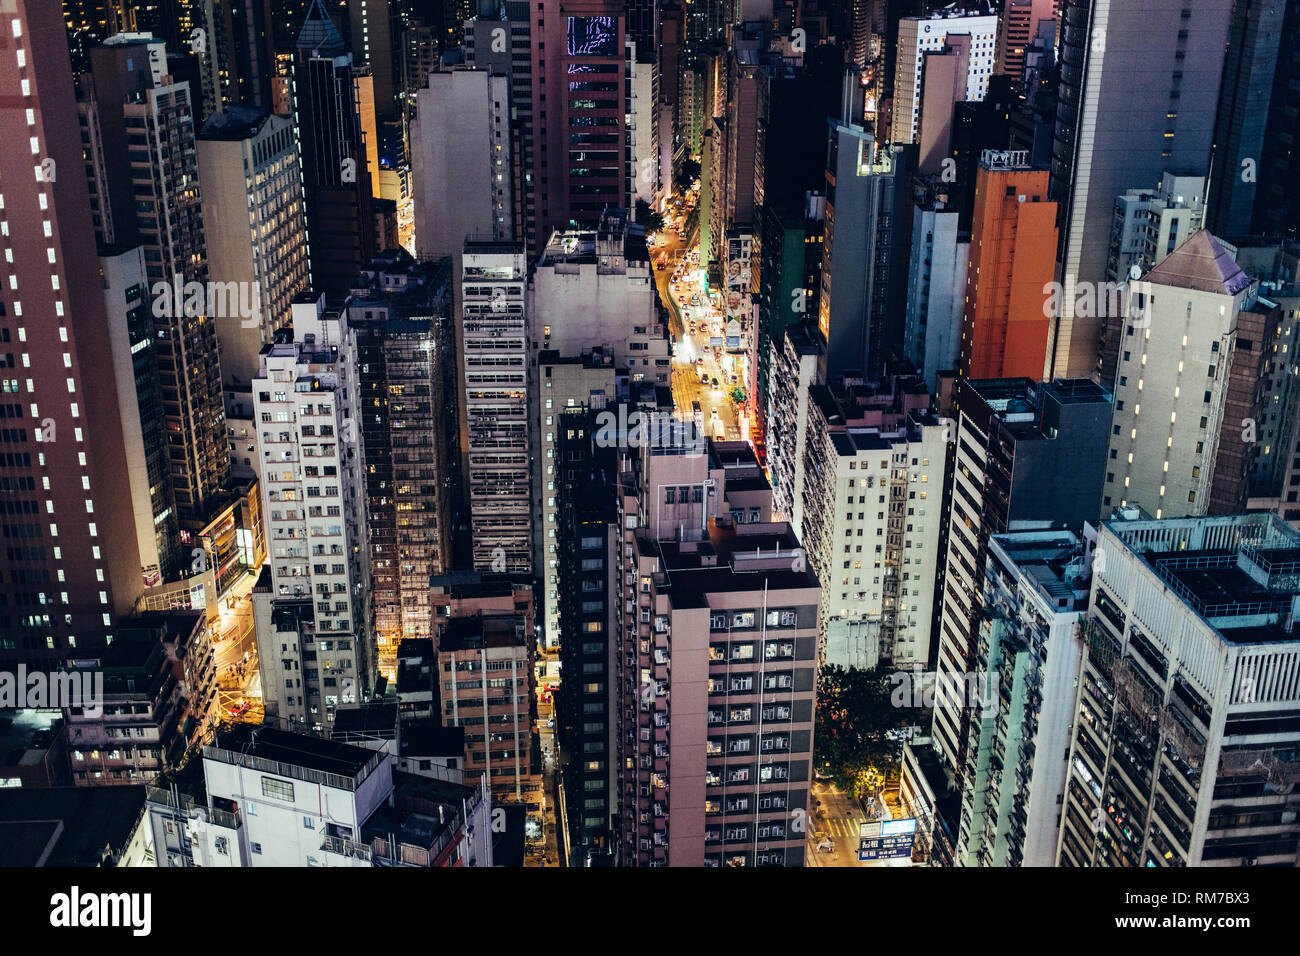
[308, 823]
[279, 789]
[256, 848]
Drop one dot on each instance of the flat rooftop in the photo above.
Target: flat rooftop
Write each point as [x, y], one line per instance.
[26, 735]
[475, 631]
[66, 826]
[296, 750]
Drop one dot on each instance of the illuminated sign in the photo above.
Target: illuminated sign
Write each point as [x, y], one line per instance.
[593, 36]
[886, 840]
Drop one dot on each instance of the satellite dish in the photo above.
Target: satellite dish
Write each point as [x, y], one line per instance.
[1135, 271]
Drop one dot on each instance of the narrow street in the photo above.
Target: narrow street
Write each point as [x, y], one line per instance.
[694, 360]
[239, 687]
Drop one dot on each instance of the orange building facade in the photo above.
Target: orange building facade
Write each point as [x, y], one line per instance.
[1012, 263]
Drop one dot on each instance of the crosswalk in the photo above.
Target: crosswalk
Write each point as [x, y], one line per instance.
[836, 826]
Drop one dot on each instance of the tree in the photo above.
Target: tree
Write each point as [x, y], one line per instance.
[855, 710]
[738, 395]
[647, 217]
[689, 172]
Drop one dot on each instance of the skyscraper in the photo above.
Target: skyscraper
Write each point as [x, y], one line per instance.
[916, 36]
[715, 671]
[1026, 453]
[70, 563]
[397, 334]
[864, 258]
[311, 603]
[1005, 326]
[142, 163]
[1253, 188]
[496, 447]
[462, 161]
[581, 97]
[1108, 140]
[1187, 387]
[1186, 703]
[336, 174]
[1026, 670]
[255, 226]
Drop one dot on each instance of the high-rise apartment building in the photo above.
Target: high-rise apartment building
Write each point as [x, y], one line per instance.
[1017, 28]
[256, 232]
[336, 171]
[865, 253]
[789, 273]
[236, 53]
[396, 339]
[496, 450]
[1108, 139]
[1022, 697]
[461, 161]
[484, 640]
[594, 317]
[1186, 711]
[1188, 390]
[586, 489]
[142, 165]
[715, 667]
[919, 35]
[1005, 326]
[70, 563]
[498, 40]
[795, 363]
[139, 395]
[936, 289]
[582, 94]
[311, 603]
[872, 518]
[1027, 454]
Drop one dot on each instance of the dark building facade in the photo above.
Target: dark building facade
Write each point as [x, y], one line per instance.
[587, 557]
[336, 180]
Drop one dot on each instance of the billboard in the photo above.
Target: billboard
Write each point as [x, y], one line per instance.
[886, 839]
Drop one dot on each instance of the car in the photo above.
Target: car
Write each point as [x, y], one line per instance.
[714, 383]
[550, 723]
[700, 361]
[240, 707]
[713, 413]
[692, 326]
[735, 379]
[826, 846]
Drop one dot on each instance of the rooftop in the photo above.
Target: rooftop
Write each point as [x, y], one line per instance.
[67, 826]
[291, 750]
[428, 738]
[1201, 263]
[25, 735]
[483, 630]
[1239, 574]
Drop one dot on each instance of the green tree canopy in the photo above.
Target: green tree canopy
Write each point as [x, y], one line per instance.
[855, 710]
